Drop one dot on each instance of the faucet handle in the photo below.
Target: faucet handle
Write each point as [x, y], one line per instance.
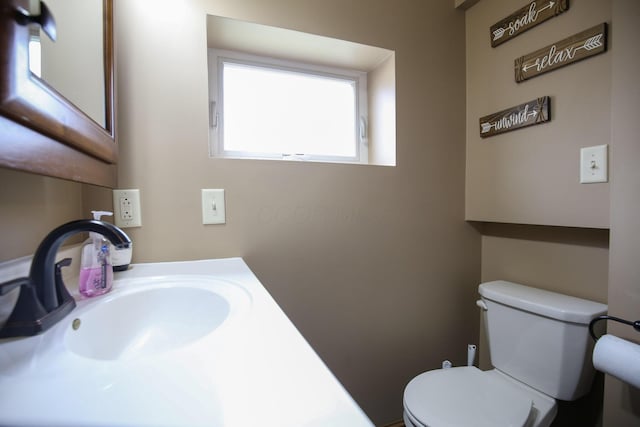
[66, 262]
[29, 316]
[23, 318]
[61, 290]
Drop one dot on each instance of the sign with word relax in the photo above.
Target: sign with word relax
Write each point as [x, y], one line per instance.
[572, 49]
[523, 19]
[523, 115]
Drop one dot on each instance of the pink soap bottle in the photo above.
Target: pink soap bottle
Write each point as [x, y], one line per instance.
[96, 272]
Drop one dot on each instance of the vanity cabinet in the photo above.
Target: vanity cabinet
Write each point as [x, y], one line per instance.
[41, 130]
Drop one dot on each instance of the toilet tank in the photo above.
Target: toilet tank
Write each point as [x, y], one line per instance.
[541, 338]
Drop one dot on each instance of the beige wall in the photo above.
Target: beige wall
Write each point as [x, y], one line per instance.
[30, 207]
[531, 176]
[375, 265]
[572, 261]
[622, 402]
[566, 259]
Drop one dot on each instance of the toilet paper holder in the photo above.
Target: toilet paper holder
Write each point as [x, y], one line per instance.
[635, 324]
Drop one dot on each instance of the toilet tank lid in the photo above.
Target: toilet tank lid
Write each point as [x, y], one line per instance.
[545, 303]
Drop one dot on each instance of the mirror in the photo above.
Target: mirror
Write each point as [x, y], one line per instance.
[73, 64]
[62, 123]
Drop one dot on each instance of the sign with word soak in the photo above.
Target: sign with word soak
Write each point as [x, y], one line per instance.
[575, 48]
[523, 115]
[523, 19]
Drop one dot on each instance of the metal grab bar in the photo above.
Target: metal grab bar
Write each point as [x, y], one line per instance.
[635, 324]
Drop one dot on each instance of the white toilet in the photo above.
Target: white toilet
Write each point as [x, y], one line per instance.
[541, 351]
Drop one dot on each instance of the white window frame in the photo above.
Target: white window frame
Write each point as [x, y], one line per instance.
[217, 57]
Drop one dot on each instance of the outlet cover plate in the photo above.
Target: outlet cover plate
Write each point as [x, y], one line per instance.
[213, 208]
[126, 208]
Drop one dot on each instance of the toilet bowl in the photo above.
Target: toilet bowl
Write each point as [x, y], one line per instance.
[467, 396]
[540, 349]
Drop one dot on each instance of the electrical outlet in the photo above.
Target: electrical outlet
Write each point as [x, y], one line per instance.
[126, 213]
[126, 206]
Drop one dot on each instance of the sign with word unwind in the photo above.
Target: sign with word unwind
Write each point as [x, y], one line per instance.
[523, 115]
[575, 48]
[523, 19]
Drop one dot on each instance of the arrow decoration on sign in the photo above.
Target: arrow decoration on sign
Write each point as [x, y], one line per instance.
[526, 18]
[572, 49]
[593, 43]
[523, 115]
[590, 44]
[549, 6]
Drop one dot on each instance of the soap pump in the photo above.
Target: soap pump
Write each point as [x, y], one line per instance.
[96, 272]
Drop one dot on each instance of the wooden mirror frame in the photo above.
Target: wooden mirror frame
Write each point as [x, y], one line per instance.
[40, 130]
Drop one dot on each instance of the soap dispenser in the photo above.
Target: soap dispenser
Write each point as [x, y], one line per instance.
[96, 272]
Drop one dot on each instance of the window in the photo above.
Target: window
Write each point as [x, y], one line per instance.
[267, 108]
[325, 99]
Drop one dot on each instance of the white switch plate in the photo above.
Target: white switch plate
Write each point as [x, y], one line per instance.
[126, 208]
[213, 209]
[593, 164]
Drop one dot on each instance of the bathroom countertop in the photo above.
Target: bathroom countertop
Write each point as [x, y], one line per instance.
[259, 372]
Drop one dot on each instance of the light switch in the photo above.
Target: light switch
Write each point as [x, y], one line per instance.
[593, 164]
[213, 209]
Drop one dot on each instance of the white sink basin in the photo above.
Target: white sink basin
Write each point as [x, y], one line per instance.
[198, 343]
[151, 316]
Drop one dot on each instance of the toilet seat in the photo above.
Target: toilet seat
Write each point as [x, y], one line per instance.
[464, 396]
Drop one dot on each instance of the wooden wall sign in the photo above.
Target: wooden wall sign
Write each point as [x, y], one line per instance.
[572, 49]
[523, 115]
[523, 19]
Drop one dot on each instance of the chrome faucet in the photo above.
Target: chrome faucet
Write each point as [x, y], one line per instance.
[44, 299]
